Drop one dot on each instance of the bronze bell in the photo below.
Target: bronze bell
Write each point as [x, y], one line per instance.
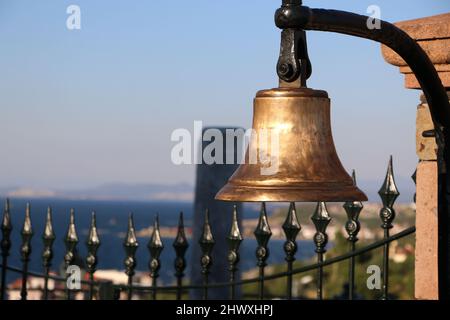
[308, 168]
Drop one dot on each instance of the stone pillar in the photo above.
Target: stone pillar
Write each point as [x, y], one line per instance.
[209, 180]
[433, 35]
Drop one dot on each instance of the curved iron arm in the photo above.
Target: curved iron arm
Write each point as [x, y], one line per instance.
[296, 16]
[293, 15]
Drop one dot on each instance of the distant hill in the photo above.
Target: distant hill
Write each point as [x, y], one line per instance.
[176, 192]
[110, 191]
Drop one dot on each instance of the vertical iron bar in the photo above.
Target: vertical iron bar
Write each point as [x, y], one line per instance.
[385, 267]
[130, 287]
[206, 242]
[155, 246]
[388, 194]
[25, 250]
[48, 238]
[291, 228]
[351, 273]
[92, 243]
[205, 286]
[262, 235]
[5, 246]
[320, 277]
[353, 209]
[234, 240]
[130, 244]
[181, 245]
[71, 241]
[321, 219]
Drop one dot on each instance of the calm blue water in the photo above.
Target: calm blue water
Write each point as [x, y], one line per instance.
[112, 223]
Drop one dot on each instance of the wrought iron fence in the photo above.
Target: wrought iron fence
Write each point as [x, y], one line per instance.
[94, 289]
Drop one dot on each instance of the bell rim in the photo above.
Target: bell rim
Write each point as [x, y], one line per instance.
[240, 193]
[345, 182]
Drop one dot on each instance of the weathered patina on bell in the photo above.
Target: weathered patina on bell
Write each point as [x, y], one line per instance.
[307, 166]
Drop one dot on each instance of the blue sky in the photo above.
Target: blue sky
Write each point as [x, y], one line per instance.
[97, 105]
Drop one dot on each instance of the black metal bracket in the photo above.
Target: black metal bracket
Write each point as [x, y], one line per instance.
[293, 15]
[303, 18]
[293, 62]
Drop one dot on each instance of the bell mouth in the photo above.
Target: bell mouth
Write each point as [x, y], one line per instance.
[327, 193]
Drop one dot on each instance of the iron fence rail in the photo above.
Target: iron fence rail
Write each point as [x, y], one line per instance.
[184, 288]
[291, 227]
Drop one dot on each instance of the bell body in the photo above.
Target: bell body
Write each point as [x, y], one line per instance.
[303, 165]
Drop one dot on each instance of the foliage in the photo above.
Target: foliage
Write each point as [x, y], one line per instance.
[335, 276]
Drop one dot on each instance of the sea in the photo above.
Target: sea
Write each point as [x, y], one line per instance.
[112, 219]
